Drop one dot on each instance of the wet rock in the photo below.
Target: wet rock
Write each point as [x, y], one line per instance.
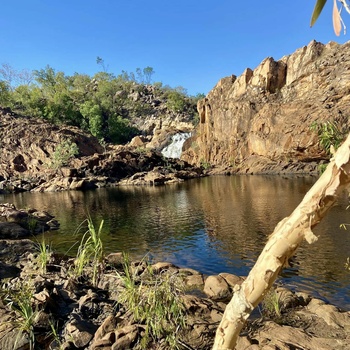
[12, 230]
[23, 223]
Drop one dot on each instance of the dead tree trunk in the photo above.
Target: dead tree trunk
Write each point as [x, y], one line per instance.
[283, 242]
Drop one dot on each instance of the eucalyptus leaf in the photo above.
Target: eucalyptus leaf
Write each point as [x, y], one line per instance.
[317, 11]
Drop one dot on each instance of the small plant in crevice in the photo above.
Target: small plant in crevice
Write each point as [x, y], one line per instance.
[90, 251]
[141, 150]
[44, 253]
[32, 224]
[104, 144]
[53, 335]
[18, 297]
[272, 305]
[330, 135]
[205, 164]
[156, 302]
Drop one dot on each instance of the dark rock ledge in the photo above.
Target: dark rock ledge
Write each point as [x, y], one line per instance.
[24, 223]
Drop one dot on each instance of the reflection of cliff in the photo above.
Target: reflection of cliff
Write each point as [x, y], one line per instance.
[240, 212]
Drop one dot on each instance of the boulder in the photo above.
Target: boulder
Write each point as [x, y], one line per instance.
[80, 331]
[23, 223]
[12, 230]
[216, 288]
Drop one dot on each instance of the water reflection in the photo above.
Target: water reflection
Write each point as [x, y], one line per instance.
[213, 224]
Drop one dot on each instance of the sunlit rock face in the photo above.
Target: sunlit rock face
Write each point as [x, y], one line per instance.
[260, 121]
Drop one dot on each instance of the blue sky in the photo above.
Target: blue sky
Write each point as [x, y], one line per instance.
[188, 43]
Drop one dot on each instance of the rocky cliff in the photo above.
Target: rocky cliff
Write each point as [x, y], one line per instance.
[157, 122]
[27, 144]
[260, 121]
[32, 159]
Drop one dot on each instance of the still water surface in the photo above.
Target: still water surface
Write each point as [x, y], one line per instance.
[216, 224]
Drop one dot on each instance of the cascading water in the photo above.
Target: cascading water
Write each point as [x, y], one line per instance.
[174, 149]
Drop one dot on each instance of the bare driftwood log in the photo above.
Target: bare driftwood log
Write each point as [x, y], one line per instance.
[282, 244]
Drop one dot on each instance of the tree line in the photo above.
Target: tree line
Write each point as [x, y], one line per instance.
[103, 104]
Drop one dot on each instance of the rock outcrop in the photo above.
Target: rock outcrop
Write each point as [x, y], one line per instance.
[68, 312]
[28, 151]
[21, 223]
[157, 122]
[27, 144]
[260, 122]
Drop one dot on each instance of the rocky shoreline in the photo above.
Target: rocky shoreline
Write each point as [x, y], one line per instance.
[46, 303]
[41, 157]
[118, 167]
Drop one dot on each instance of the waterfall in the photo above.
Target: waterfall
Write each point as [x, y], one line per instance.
[174, 149]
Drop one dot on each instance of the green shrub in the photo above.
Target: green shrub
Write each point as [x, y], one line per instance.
[64, 151]
[19, 299]
[44, 254]
[176, 101]
[329, 134]
[272, 305]
[205, 164]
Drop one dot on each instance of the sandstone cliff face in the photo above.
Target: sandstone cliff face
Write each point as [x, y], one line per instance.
[260, 122]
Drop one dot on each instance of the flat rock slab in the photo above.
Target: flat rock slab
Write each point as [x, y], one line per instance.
[12, 230]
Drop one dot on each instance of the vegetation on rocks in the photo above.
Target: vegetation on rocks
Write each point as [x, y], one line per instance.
[90, 252]
[106, 105]
[156, 301]
[330, 135]
[65, 151]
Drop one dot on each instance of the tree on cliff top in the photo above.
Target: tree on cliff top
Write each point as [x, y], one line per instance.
[289, 233]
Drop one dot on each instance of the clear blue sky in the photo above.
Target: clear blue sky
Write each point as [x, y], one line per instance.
[188, 43]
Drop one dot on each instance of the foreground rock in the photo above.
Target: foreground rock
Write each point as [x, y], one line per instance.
[260, 121]
[84, 316]
[24, 223]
